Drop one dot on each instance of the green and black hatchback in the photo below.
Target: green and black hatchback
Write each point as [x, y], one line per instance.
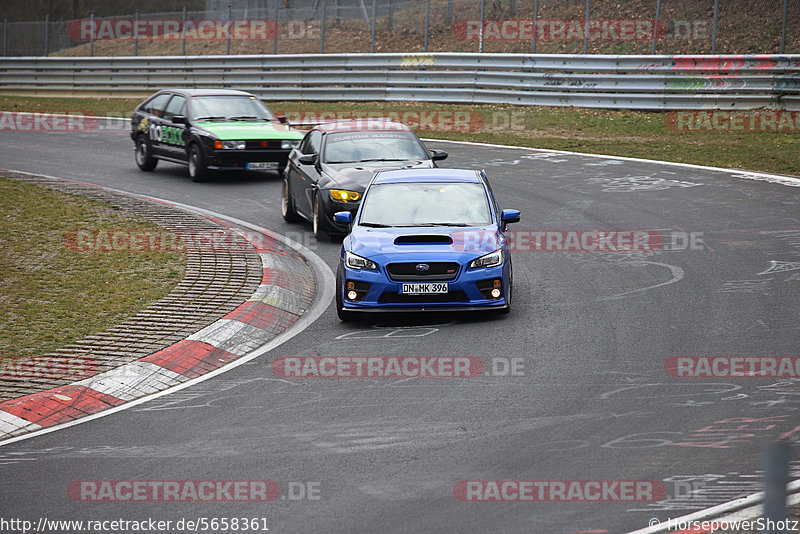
[208, 130]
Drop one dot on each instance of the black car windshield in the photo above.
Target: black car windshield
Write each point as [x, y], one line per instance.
[425, 204]
[240, 107]
[354, 147]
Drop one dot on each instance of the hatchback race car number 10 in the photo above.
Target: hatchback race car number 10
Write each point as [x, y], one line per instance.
[424, 289]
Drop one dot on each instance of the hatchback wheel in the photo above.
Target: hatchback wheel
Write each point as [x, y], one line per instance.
[197, 165]
[144, 159]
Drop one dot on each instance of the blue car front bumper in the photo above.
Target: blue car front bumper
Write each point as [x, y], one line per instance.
[469, 290]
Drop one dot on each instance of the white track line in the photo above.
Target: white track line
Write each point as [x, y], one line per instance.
[739, 173]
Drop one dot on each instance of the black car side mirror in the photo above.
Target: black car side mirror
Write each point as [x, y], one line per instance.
[438, 155]
[178, 119]
[308, 159]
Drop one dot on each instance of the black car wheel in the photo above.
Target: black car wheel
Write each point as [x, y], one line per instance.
[144, 160]
[287, 203]
[318, 220]
[344, 315]
[197, 165]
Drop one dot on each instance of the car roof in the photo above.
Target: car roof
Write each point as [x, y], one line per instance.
[427, 175]
[207, 92]
[366, 124]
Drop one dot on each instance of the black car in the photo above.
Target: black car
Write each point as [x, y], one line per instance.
[335, 161]
[210, 130]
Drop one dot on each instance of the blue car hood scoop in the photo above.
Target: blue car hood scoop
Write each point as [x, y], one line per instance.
[435, 239]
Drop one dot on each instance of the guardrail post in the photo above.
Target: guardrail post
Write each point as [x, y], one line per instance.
[322, 29]
[655, 27]
[389, 16]
[91, 35]
[586, 31]
[783, 29]
[427, 21]
[5, 36]
[275, 26]
[372, 47]
[183, 33]
[535, 24]
[46, 33]
[136, 33]
[714, 29]
[229, 30]
[449, 15]
[777, 477]
[480, 34]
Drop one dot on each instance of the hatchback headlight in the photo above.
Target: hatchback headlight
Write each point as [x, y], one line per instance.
[357, 262]
[288, 144]
[489, 260]
[234, 145]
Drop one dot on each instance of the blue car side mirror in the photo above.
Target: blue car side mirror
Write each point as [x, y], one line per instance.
[344, 217]
[509, 216]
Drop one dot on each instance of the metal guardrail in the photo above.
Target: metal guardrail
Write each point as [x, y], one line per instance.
[605, 81]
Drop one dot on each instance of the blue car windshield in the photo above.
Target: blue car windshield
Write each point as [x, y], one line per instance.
[425, 204]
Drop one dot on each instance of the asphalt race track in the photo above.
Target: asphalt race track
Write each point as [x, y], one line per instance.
[591, 399]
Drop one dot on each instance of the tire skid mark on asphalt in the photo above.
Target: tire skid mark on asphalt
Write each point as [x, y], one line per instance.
[675, 272]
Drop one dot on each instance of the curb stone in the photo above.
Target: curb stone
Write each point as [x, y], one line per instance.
[229, 303]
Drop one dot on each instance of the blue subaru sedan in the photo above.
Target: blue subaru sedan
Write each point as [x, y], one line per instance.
[425, 240]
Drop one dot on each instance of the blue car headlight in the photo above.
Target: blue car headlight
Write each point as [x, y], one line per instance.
[492, 259]
[357, 262]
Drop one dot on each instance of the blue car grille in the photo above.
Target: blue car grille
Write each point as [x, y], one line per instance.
[392, 297]
[436, 270]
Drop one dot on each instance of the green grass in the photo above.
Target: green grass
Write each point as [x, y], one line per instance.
[52, 295]
[620, 133]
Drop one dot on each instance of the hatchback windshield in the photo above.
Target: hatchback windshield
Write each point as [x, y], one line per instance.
[355, 147]
[229, 107]
[426, 204]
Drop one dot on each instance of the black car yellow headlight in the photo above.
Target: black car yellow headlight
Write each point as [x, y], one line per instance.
[492, 259]
[357, 262]
[342, 195]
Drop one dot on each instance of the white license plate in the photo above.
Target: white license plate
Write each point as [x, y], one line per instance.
[430, 288]
[263, 166]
